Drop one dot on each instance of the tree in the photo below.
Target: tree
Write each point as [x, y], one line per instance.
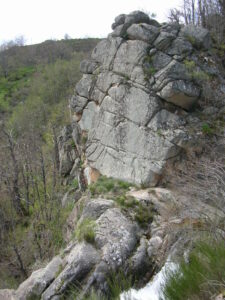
[207, 13]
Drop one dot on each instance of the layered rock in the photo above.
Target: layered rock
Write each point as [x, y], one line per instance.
[130, 99]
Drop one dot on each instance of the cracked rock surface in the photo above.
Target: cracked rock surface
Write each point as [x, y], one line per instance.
[131, 97]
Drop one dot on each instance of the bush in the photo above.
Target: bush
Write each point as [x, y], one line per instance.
[85, 231]
[118, 282]
[144, 214]
[202, 277]
[106, 185]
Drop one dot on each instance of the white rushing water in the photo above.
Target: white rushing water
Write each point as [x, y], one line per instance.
[152, 291]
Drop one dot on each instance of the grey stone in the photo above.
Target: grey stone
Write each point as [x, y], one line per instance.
[119, 32]
[85, 85]
[143, 32]
[119, 20]
[116, 235]
[136, 17]
[39, 280]
[165, 120]
[198, 36]
[7, 294]
[160, 60]
[67, 151]
[154, 246]
[88, 66]
[181, 93]
[179, 47]
[79, 262]
[89, 113]
[77, 103]
[139, 262]
[164, 40]
[129, 55]
[173, 71]
[173, 28]
[106, 50]
[96, 207]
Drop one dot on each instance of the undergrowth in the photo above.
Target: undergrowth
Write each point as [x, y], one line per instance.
[85, 231]
[202, 277]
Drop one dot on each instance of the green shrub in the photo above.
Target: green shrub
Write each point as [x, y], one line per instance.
[144, 214]
[85, 231]
[126, 201]
[118, 282]
[207, 129]
[202, 277]
[106, 185]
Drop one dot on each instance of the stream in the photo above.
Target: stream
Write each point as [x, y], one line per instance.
[152, 291]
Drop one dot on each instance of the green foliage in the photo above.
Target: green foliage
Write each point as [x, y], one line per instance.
[144, 214]
[207, 129]
[118, 282]
[85, 231]
[189, 64]
[192, 40]
[75, 184]
[106, 185]
[202, 277]
[126, 201]
[195, 73]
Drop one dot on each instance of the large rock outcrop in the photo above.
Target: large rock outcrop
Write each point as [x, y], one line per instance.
[133, 98]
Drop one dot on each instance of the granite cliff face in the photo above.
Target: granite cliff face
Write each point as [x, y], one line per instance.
[133, 100]
[132, 114]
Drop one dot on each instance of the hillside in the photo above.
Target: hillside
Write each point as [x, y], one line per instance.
[133, 181]
[35, 84]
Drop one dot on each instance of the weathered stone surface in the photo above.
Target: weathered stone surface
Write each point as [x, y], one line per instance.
[88, 66]
[181, 93]
[67, 153]
[129, 55]
[160, 60]
[179, 47]
[106, 50]
[173, 71]
[165, 120]
[78, 103]
[96, 207]
[143, 32]
[39, 280]
[7, 294]
[79, 262]
[143, 72]
[198, 36]
[85, 85]
[119, 20]
[116, 235]
[89, 113]
[164, 40]
[154, 245]
[140, 262]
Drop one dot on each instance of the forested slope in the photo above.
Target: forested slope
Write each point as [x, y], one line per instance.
[35, 84]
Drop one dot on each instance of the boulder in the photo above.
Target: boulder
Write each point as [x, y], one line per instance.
[198, 36]
[181, 93]
[143, 32]
[79, 262]
[33, 287]
[88, 66]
